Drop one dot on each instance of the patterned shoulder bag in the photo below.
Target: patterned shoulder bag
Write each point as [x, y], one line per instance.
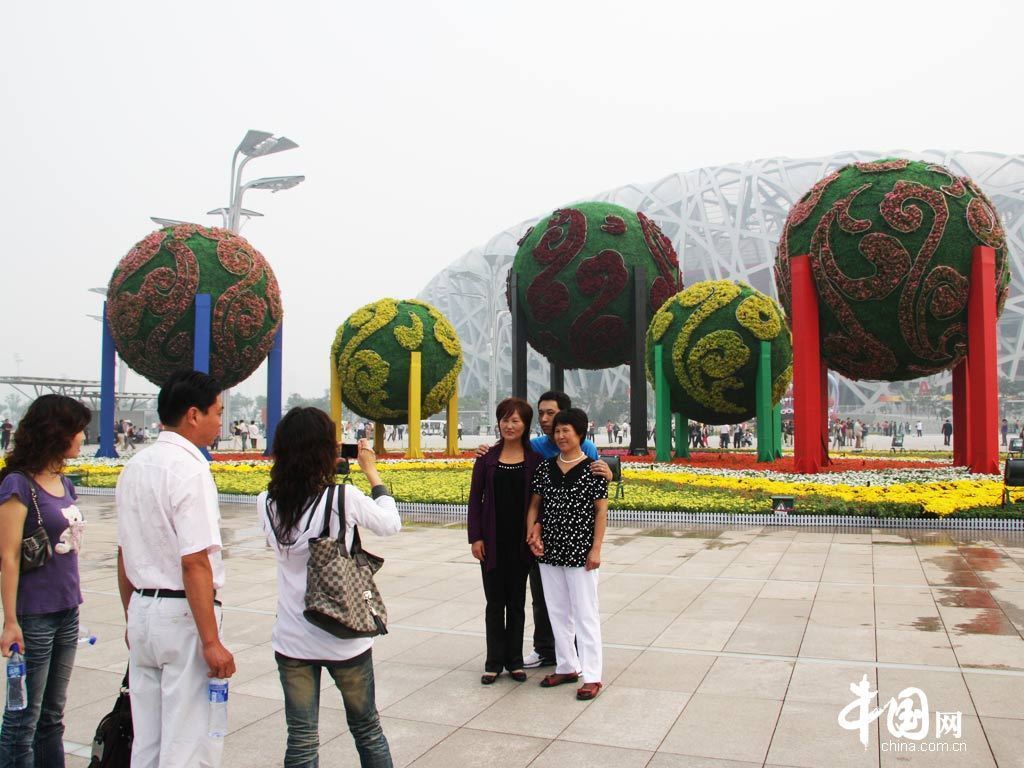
[341, 596]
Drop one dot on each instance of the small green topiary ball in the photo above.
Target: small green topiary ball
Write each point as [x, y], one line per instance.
[712, 333]
[151, 303]
[575, 272]
[371, 352]
[890, 248]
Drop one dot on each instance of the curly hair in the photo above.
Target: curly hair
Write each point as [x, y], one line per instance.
[45, 433]
[305, 455]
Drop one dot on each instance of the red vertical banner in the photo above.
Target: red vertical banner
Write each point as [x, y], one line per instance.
[982, 367]
[807, 369]
[961, 416]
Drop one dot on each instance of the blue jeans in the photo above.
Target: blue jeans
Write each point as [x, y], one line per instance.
[301, 683]
[34, 737]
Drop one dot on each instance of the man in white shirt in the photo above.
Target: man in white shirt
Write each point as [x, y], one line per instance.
[168, 570]
[254, 434]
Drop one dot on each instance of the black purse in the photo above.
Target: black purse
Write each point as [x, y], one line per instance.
[36, 549]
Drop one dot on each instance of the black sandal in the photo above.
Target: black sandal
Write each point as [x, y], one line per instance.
[518, 675]
[488, 678]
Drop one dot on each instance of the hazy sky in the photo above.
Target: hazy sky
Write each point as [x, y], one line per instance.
[427, 127]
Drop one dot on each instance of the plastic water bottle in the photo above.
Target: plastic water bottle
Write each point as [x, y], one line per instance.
[218, 693]
[84, 638]
[17, 692]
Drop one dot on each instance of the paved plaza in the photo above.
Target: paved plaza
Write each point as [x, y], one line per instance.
[723, 648]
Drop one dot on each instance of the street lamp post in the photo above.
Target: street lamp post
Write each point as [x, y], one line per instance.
[258, 144]
[254, 144]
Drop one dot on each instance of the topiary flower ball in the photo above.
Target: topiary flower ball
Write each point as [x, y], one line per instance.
[890, 248]
[712, 333]
[575, 271]
[371, 352]
[151, 303]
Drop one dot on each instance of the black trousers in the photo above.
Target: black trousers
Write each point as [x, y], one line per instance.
[543, 636]
[505, 616]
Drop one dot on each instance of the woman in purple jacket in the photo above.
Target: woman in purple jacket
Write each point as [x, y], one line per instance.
[498, 500]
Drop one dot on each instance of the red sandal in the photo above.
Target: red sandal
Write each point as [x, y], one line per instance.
[552, 680]
[588, 691]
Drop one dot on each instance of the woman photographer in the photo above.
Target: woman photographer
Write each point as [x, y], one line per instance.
[292, 511]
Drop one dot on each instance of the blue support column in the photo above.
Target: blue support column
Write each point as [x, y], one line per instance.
[201, 344]
[275, 368]
[107, 450]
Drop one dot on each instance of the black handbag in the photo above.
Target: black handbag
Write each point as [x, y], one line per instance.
[36, 549]
[112, 745]
[341, 596]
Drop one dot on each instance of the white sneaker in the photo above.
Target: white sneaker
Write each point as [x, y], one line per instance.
[532, 660]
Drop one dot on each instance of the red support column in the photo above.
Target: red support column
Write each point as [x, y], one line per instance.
[982, 368]
[823, 417]
[961, 416]
[807, 369]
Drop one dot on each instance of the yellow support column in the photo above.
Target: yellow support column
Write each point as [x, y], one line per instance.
[378, 438]
[336, 401]
[452, 449]
[415, 386]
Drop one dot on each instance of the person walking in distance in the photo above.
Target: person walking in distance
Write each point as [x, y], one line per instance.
[169, 569]
[5, 434]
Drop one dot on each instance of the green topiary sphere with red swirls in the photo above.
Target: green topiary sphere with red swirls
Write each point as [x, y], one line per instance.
[576, 273]
[890, 246]
[151, 303]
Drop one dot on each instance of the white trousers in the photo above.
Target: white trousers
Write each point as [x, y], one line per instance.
[168, 681]
[571, 598]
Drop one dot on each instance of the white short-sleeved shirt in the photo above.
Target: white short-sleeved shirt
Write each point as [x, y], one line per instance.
[293, 635]
[254, 430]
[166, 509]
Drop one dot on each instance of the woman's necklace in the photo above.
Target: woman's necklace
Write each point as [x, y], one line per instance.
[564, 460]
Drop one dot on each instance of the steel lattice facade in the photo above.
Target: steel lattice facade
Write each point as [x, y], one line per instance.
[725, 223]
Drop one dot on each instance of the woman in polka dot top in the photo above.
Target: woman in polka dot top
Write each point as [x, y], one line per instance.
[565, 529]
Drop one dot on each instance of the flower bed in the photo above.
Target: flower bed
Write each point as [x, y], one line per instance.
[853, 487]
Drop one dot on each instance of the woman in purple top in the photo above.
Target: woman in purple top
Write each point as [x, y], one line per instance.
[498, 498]
[41, 606]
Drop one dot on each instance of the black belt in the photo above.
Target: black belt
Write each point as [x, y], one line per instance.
[162, 592]
[179, 593]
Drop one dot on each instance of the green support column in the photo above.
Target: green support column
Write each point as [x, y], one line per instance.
[682, 437]
[662, 409]
[765, 418]
[777, 430]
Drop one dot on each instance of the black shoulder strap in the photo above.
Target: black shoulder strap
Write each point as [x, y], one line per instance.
[35, 497]
[356, 545]
[341, 514]
[313, 508]
[328, 509]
